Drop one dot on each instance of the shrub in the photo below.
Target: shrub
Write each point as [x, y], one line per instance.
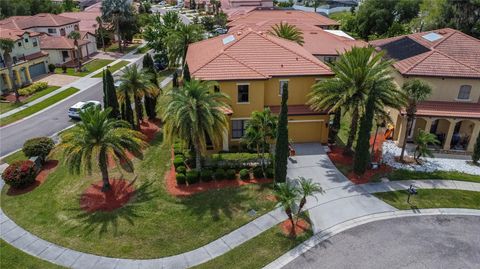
[231, 174]
[64, 69]
[178, 161]
[244, 174]
[192, 177]
[181, 169]
[219, 174]
[51, 68]
[206, 175]
[476, 151]
[258, 172]
[20, 174]
[181, 179]
[269, 172]
[35, 87]
[39, 146]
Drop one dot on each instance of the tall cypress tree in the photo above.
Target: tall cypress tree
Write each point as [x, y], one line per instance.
[104, 88]
[362, 153]
[150, 102]
[175, 80]
[129, 111]
[110, 95]
[186, 73]
[476, 150]
[281, 147]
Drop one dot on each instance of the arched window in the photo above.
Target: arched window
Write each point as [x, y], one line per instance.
[464, 93]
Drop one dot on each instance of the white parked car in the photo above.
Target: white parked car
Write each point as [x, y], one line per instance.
[74, 111]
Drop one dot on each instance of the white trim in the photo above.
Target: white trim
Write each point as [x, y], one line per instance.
[243, 103]
[243, 83]
[299, 121]
[232, 119]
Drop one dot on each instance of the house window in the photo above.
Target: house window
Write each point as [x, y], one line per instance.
[76, 27]
[242, 93]
[238, 128]
[64, 55]
[35, 42]
[464, 93]
[330, 59]
[26, 40]
[62, 32]
[283, 83]
[19, 44]
[52, 30]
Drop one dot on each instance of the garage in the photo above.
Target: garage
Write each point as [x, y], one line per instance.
[302, 131]
[37, 70]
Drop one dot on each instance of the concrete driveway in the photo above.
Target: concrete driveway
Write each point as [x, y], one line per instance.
[58, 79]
[341, 200]
[410, 242]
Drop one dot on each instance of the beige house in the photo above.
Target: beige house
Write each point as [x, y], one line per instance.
[449, 61]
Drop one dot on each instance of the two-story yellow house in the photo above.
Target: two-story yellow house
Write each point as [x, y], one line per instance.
[449, 61]
[251, 67]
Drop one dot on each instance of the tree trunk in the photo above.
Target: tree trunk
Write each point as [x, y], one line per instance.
[103, 168]
[353, 132]
[14, 84]
[405, 137]
[301, 205]
[198, 161]
[290, 217]
[139, 111]
[117, 26]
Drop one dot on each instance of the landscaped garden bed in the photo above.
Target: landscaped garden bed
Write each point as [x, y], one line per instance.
[27, 95]
[86, 68]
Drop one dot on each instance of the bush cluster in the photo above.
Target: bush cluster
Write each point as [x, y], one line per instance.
[178, 161]
[181, 169]
[38, 146]
[231, 174]
[258, 172]
[219, 174]
[244, 174]
[206, 175]
[269, 172]
[20, 174]
[181, 179]
[51, 68]
[192, 177]
[35, 87]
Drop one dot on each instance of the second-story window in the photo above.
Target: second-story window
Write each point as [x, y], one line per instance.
[35, 42]
[19, 43]
[52, 30]
[242, 96]
[464, 93]
[26, 40]
[283, 84]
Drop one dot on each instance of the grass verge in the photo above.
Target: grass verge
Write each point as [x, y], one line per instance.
[114, 48]
[113, 68]
[89, 67]
[38, 106]
[428, 198]
[403, 174]
[4, 107]
[14, 157]
[14, 258]
[257, 252]
[154, 224]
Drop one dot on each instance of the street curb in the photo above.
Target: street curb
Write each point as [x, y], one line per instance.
[336, 229]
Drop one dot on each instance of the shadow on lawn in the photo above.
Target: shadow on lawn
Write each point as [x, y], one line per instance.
[103, 221]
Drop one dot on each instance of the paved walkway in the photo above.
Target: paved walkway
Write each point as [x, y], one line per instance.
[341, 206]
[58, 79]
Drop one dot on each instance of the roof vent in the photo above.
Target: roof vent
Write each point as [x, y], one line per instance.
[229, 39]
[432, 37]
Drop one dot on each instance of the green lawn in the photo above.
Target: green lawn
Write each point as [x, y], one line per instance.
[143, 50]
[4, 107]
[113, 68]
[258, 252]
[38, 106]
[153, 225]
[14, 157]
[89, 67]
[14, 258]
[403, 174]
[436, 198]
[114, 48]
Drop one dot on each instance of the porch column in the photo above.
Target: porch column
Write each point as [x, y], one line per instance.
[402, 131]
[448, 138]
[17, 76]
[225, 140]
[27, 74]
[428, 124]
[8, 81]
[473, 138]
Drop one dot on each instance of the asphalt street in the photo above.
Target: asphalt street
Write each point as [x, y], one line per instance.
[46, 123]
[410, 242]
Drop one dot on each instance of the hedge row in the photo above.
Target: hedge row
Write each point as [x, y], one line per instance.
[207, 175]
[35, 87]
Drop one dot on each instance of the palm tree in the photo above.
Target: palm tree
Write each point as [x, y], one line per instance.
[416, 91]
[116, 11]
[287, 31]
[137, 84]
[193, 114]
[6, 45]
[96, 139]
[101, 31]
[178, 40]
[287, 195]
[260, 129]
[423, 140]
[76, 36]
[306, 188]
[355, 71]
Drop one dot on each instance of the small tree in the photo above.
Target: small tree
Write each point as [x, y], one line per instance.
[281, 147]
[476, 151]
[150, 101]
[111, 100]
[75, 35]
[362, 153]
[7, 46]
[306, 188]
[423, 140]
[287, 195]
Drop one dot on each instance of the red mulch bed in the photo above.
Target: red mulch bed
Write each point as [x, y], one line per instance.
[93, 199]
[337, 157]
[11, 97]
[300, 227]
[186, 190]
[47, 168]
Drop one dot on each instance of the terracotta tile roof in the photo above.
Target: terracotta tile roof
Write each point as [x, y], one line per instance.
[88, 20]
[450, 53]
[320, 42]
[36, 55]
[39, 20]
[59, 42]
[297, 110]
[448, 109]
[296, 17]
[251, 55]
[14, 34]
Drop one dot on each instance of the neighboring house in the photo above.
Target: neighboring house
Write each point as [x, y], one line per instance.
[29, 61]
[87, 18]
[51, 24]
[251, 67]
[62, 50]
[449, 61]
